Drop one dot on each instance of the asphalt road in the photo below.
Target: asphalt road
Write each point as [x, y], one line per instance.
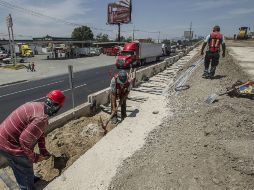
[85, 83]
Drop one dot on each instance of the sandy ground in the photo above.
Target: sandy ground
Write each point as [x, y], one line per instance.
[200, 147]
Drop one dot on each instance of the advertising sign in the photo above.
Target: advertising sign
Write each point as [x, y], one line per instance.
[119, 12]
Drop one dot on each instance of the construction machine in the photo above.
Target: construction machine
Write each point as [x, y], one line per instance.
[243, 33]
[23, 50]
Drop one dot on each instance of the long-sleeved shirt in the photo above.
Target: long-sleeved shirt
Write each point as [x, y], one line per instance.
[23, 129]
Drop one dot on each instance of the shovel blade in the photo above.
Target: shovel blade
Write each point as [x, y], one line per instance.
[211, 98]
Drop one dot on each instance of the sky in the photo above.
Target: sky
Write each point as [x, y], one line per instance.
[170, 17]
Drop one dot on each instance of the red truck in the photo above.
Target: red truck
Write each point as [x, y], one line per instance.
[112, 51]
[138, 53]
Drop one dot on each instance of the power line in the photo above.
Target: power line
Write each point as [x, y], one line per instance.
[37, 14]
[40, 15]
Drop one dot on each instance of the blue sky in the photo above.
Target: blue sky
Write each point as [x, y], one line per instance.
[170, 17]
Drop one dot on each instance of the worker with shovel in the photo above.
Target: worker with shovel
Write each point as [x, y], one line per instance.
[214, 41]
[120, 88]
[22, 130]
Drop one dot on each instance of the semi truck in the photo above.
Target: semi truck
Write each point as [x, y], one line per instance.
[138, 53]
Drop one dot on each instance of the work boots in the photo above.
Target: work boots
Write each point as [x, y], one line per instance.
[123, 111]
[212, 71]
[205, 74]
[114, 120]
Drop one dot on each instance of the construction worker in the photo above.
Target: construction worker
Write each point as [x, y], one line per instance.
[22, 130]
[214, 41]
[120, 88]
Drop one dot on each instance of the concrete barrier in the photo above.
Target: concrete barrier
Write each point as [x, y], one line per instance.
[60, 120]
[100, 97]
[103, 96]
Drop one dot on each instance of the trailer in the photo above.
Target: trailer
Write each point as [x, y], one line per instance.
[138, 53]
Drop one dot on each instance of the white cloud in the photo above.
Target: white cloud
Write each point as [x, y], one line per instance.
[75, 11]
[234, 14]
[211, 4]
[242, 11]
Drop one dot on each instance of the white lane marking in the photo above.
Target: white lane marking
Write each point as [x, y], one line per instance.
[30, 89]
[62, 91]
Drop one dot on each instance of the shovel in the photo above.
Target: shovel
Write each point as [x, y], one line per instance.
[214, 96]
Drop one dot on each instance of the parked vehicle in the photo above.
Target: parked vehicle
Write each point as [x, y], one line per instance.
[81, 52]
[23, 50]
[95, 51]
[58, 51]
[3, 55]
[112, 51]
[138, 53]
[19, 60]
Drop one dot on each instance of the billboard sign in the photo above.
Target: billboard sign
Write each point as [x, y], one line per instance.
[119, 12]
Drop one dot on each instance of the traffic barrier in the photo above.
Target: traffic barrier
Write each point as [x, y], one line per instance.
[103, 96]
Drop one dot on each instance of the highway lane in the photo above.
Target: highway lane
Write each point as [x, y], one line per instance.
[85, 83]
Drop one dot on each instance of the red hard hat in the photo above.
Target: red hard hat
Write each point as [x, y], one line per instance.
[57, 96]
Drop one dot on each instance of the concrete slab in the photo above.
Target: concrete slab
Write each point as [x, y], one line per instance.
[243, 54]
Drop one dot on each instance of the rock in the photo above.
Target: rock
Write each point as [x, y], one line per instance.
[62, 178]
[216, 181]
[92, 130]
[205, 145]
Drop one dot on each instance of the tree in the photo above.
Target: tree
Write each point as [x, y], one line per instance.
[122, 39]
[82, 33]
[102, 38]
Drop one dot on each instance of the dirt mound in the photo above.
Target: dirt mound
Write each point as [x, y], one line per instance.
[68, 143]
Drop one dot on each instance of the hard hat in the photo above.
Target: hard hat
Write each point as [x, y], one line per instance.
[57, 96]
[122, 76]
[216, 28]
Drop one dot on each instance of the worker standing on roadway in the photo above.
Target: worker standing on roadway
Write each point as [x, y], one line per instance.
[22, 130]
[214, 40]
[120, 88]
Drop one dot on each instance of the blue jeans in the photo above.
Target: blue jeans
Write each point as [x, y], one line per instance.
[22, 169]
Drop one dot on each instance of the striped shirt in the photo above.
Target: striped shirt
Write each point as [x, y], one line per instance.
[23, 129]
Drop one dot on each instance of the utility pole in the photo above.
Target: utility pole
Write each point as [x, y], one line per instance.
[119, 31]
[190, 37]
[133, 37]
[11, 38]
[159, 37]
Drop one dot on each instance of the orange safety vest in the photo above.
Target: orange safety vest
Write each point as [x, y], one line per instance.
[215, 41]
[121, 89]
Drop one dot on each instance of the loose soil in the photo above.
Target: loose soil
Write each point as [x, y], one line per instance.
[201, 146]
[67, 144]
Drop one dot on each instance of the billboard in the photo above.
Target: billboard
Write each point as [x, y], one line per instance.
[119, 12]
[188, 34]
